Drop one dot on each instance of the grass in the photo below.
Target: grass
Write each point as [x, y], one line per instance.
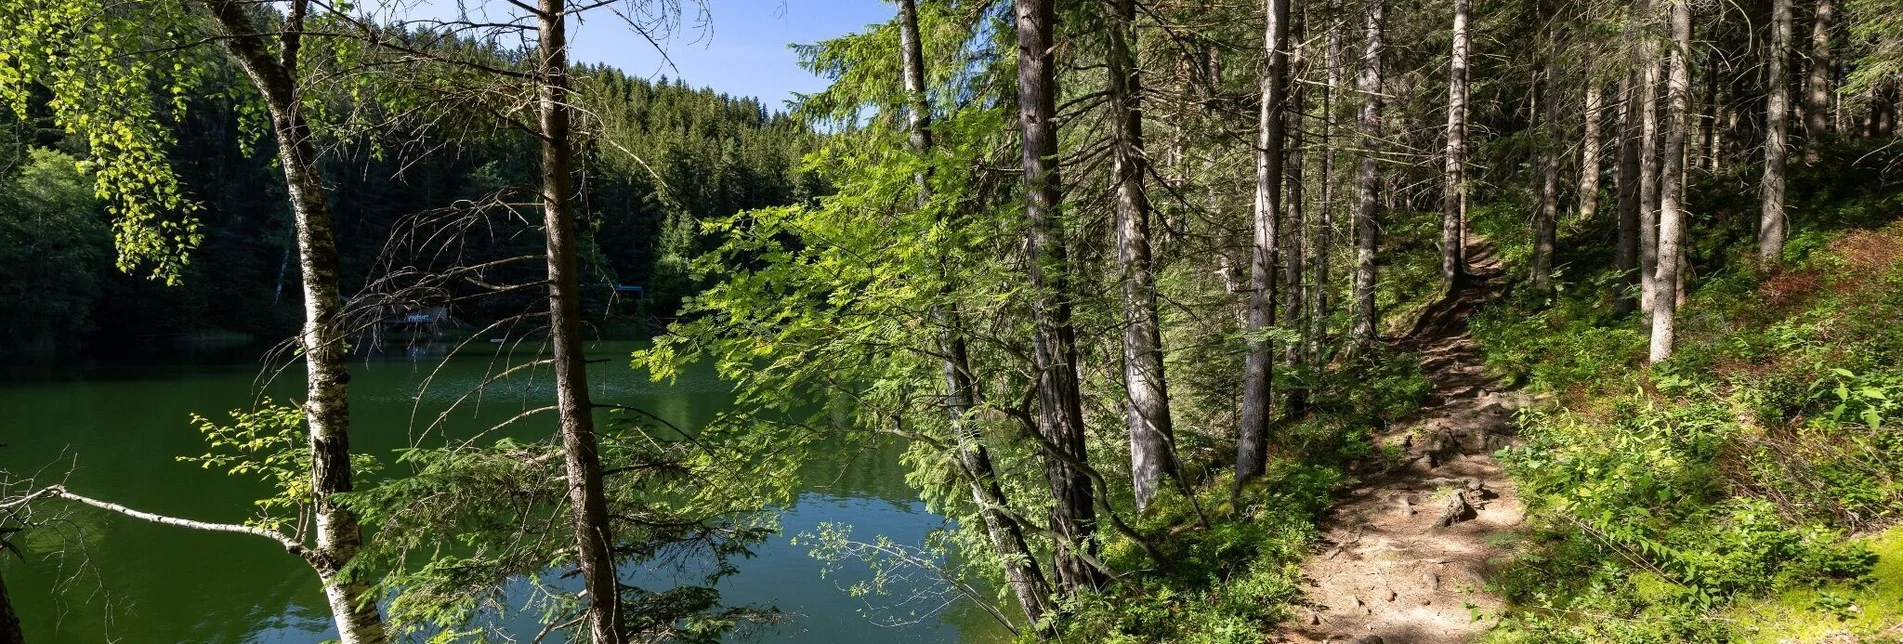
[1864, 610]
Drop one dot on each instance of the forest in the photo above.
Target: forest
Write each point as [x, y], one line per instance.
[1372, 321]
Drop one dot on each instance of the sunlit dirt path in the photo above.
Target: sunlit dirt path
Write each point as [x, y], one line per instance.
[1403, 560]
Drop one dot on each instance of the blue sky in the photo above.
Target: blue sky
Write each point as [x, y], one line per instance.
[740, 49]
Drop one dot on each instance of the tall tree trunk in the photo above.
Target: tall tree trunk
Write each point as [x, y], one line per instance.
[1817, 94]
[1007, 537]
[1060, 406]
[1252, 438]
[1367, 236]
[1590, 148]
[594, 537]
[1885, 110]
[1152, 451]
[1777, 123]
[1295, 212]
[1453, 262]
[1626, 254]
[1320, 304]
[326, 402]
[1707, 120]
[1648, 180]
[1546, 220]
[1672, 188]
[10, 632]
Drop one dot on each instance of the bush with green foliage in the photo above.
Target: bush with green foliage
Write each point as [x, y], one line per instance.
[1660, 497]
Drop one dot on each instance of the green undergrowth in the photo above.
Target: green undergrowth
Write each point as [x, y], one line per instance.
[1865, 609]
[1711, 498]
[1228, 568]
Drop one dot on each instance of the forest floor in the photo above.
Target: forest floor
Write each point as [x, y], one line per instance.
[1405, 555]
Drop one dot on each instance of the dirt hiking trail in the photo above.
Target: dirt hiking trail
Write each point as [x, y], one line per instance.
[1404, 556]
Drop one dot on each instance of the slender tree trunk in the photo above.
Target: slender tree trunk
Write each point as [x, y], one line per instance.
[1007, 537]
[1147, 416]
[1252, 438]
[10, 632]
[1672, 190]
[1817, 94]
[594, 537]
[1776, 144]
[1837, 101]
[1590, 148]
[1884, 111]
[1295, 212]
[1648, 182]
[1320, 304]
[1453, 263]
[1707, 120]
[1546, 221]
[1367, 235]
[1626, 254]
[1060, 406]
[326, 402]
[1727, 121]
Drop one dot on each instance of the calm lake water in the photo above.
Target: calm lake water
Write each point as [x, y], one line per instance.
[114, 432]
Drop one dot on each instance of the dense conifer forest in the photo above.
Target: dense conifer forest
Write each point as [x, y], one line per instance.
[1372, 321]
[716, 154]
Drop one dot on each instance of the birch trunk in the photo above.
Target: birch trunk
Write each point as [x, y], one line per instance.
[1777, 123]
[1060, 407]
[1672, 189]
[1252, 436]
[326, 402]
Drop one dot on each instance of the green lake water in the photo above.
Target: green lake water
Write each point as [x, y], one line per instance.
[114, 432]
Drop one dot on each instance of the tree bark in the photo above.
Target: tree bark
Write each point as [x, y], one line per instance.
[1707, 119]
[1295, 231]
[1648, 180]
[1453, 262]
[1060, 407]
[1320, 304]
[1546, 220]
[594, 536]
[326, 402]
[1776, 144]
[1672, 189]
[1626, 254]
[1590, 150]
[1007, 537]
[1367, 236]
[10, 632]
[1817, 94]
[1252, 437]
[1147, 415]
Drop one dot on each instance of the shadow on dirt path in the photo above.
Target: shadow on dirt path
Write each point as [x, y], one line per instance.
[1405, 555]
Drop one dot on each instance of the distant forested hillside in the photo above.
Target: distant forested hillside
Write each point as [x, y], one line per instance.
[666, 156]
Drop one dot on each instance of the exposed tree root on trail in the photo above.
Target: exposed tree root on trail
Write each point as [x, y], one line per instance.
[1405, 555]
